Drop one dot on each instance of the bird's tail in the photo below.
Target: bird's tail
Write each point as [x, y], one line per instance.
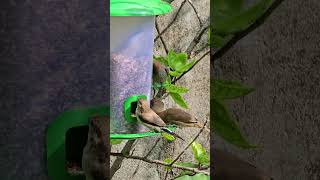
[198, 124]
[172, 133]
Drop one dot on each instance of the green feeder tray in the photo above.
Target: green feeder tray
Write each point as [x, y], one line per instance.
[56, 139]
[138, 7]
[57, 134]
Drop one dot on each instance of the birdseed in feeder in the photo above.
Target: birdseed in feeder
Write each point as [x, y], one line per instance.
[129, 76]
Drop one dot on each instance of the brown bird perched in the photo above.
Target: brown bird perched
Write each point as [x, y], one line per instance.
[150, 119]
[96, 152]
[229, 167]
[180, 117]
[157, 105]
[160, 75]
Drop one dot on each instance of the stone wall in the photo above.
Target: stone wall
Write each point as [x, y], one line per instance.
[281, 59]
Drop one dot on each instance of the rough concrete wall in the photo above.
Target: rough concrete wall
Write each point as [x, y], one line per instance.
[281, 59]
[178, 37]
[52, 59]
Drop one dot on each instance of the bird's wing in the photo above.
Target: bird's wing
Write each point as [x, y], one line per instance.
[179, 115]
[152, 118]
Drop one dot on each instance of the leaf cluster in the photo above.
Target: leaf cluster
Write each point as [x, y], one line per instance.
[177, 63]
[202, 161]
[221, 121]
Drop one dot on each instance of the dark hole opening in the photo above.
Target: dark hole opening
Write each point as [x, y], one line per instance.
[134, 107]
[76, 139]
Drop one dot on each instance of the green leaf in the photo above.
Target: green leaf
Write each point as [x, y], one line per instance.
[186, 67]
[219, 41]
[179, 100]
[227, 7]
[180, 61]
[224, 89]
[186, 164]
[167, 136]
[175, 73]
[157, 85]
[162, 60]
[225, 126]
[198, 176]
[168, 160]
[115, 141]
[209, 36]
[175, 89]
[235, 23]
[176, 60]
[170, 58]
[200, 153]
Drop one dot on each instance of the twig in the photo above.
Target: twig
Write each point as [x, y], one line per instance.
[238, 36]
[206, 46]
[176, 159]
[204, 55]
[155, 144]
[195, 11]
[198, 36]
[165, 177]
[161, 39]
[171, 23]
[117, 163]
[194, 170]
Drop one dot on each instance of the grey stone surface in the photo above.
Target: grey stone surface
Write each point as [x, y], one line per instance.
[281, 59]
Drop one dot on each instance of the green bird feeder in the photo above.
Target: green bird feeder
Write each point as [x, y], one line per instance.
[131, 58]
[132, 24]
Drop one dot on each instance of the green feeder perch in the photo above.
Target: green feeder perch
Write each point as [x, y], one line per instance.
[131, 48]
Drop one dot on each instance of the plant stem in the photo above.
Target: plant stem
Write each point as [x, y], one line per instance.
[238, 36]
[176, 159]
[204, 55]
[194, 170]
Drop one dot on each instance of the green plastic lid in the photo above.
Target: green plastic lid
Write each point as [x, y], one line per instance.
[138, 7]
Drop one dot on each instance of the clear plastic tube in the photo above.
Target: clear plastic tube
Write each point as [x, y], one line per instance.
[131, 48]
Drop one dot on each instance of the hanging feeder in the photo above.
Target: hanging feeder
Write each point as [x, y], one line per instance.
[131, 57]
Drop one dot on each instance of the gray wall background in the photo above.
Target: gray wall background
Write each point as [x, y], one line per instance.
[53, 57]
[281, 59]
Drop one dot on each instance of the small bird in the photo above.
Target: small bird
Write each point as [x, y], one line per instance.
[150, 119]
[160, 76]
[160, 72]
[96, 151]
[229, 167]
[157, 105]
[180, 117]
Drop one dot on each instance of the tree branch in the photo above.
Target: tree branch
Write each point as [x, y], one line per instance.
[238, 36]
[201, 49]
[117, 163]
[198, 36]
[196, 137]
[194, 170]
[195, 11]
